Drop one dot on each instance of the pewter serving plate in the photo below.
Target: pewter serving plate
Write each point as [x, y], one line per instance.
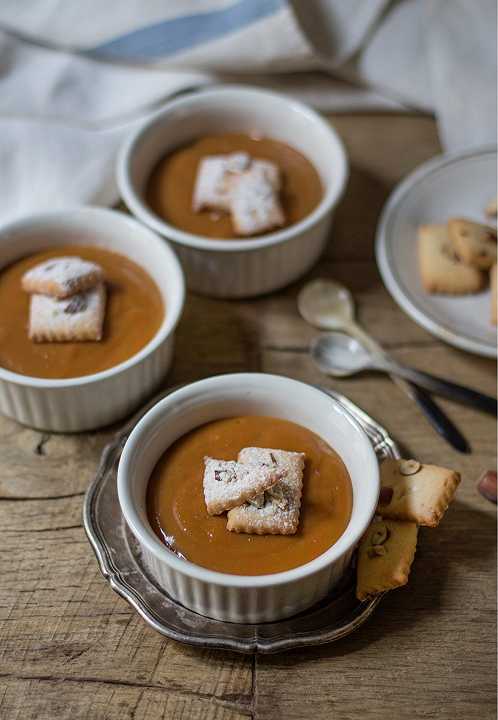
[119, 558]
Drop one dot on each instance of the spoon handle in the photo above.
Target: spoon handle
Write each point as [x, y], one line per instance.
[432, 412]
[439, 420]
[442, 387]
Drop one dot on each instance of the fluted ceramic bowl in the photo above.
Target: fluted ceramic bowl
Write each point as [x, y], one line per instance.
[239, 267]
[91, 401]
[238, 598]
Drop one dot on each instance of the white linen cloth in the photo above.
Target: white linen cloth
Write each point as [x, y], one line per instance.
[75, 76]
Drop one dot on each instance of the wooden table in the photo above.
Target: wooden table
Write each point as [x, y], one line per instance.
[71, 648]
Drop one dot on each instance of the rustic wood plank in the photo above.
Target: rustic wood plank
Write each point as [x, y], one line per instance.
[42, 465]
[46, 699]
[382, 150]
[59, 619]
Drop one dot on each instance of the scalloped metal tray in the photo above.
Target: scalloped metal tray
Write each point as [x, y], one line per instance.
[119, 558]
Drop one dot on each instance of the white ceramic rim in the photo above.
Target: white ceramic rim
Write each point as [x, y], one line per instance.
[389, 276]
[146, 536]
[171, 317]
[142, 211]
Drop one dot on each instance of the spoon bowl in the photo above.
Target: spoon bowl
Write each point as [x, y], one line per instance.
[326, 304]
[339, 355]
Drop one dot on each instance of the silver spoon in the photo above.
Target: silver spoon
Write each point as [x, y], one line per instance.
[341, 355]
[328, 305]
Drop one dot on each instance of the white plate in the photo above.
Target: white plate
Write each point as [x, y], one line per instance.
[459, 184]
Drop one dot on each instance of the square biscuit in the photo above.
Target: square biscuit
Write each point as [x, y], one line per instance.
[474, 244]
[254, 202]
[441, 270]
[385, 556]
[62, 277]
[74, 319]
[228, 483]
[213, 181]
[276, 512]
[414, 492]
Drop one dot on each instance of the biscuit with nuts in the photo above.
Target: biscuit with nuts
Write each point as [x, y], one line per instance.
[385, 556]
[228, 483]
[254, 202]
[474, 244]
[275, 512]
[74, 319]
[62, 277]
[441, 270]
[415, 492]
[213, 183]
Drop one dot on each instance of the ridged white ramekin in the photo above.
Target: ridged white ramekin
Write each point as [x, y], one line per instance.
[237, 598]
[238, 268]
[91, 401]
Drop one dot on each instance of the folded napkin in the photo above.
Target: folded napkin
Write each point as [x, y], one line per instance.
[77, 77]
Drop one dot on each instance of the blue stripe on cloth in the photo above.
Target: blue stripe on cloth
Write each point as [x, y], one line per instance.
[181, 33]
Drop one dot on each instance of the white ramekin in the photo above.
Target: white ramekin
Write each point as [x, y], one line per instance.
[238, 268]
[91, 401]
[237, 598]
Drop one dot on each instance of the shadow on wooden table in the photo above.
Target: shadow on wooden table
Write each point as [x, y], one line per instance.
[355, 220]
[460, 546]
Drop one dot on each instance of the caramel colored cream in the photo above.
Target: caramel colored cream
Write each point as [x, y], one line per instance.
[177, 512]
[171, 184]
[134, 313]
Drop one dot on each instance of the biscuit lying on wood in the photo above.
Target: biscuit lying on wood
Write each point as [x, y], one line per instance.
[474, 244]
[73, 319]
[385, 557]
[228, 483]
[62, 277]
[415, 492]
[276, 512]
[441, 269]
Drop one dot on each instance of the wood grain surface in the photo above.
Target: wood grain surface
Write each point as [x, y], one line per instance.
[71, 648]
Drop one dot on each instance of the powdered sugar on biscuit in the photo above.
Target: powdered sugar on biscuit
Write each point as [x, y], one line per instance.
[270, 171]
[62, 277]
[73, 319]
[228, 483]
[244, 186]
[277, 511]
[254, 205]
[213, 183]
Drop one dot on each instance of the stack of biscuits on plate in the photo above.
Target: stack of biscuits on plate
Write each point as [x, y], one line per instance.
[459, 257]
